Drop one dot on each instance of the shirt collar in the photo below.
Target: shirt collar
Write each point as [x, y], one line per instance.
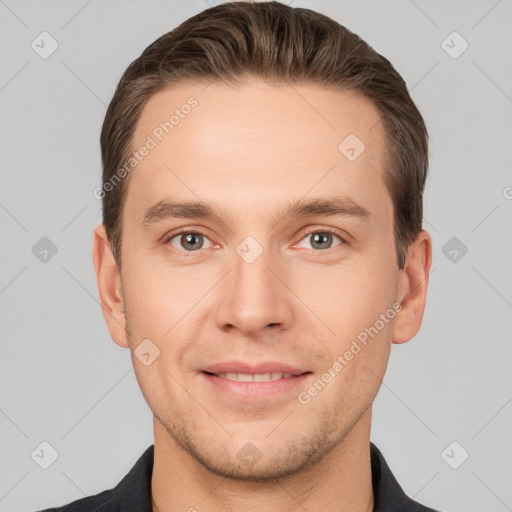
[134, 491]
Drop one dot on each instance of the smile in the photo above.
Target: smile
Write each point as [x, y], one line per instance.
[254, 377]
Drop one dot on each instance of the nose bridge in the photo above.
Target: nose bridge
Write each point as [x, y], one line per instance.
[253, 297]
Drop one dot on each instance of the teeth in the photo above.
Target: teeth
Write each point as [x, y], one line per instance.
[257, 377]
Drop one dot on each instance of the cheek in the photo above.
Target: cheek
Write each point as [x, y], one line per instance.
[348, 297]
[159, 295]
[167, 306]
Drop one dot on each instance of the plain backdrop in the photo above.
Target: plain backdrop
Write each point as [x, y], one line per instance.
[447, 394]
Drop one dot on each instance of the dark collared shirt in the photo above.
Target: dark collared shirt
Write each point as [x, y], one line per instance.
[133, 492]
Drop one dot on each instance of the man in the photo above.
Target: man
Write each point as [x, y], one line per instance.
[261, 248]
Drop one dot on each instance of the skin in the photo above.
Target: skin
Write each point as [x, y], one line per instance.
[249, 151]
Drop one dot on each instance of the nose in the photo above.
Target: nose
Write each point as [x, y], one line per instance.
[254, 300]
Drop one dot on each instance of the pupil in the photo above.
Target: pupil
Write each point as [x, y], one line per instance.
[322, 240]
[191, 241]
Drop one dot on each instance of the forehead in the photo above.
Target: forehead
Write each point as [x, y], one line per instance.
[257, 144]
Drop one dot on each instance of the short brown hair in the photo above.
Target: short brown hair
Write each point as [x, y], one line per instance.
[278, 43]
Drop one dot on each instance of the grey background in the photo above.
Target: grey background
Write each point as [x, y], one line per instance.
[65, 382]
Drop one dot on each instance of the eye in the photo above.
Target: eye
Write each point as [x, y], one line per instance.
[189, 241]
[320, 240]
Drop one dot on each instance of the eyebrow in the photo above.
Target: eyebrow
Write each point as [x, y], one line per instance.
[168, 209]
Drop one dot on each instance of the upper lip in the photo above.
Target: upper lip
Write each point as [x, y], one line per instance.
[242, 367]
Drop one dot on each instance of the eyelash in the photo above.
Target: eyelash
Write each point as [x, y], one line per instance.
[194, 231]
[322, 231]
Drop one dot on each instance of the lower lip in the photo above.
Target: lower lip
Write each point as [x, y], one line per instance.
[252, 391]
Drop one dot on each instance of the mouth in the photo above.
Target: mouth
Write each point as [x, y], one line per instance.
[254, 377]
[251, 383]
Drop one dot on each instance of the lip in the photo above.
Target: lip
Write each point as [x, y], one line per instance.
[242, 367]
[253, 391]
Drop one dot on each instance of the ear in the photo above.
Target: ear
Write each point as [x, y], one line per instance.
[412, 289]
[110, 288]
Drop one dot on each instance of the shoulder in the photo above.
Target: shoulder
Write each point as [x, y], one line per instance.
[388, 494]
[101, 502]
[132, 493]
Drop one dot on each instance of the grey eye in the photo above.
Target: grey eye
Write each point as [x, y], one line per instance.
[189, 241]
[320, 240]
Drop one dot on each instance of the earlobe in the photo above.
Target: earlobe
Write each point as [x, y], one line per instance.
[412, 290]
[109, 287]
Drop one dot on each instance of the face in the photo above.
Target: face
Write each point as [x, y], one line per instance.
[278, 256]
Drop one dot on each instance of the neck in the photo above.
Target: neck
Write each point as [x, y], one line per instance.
[342, 481]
